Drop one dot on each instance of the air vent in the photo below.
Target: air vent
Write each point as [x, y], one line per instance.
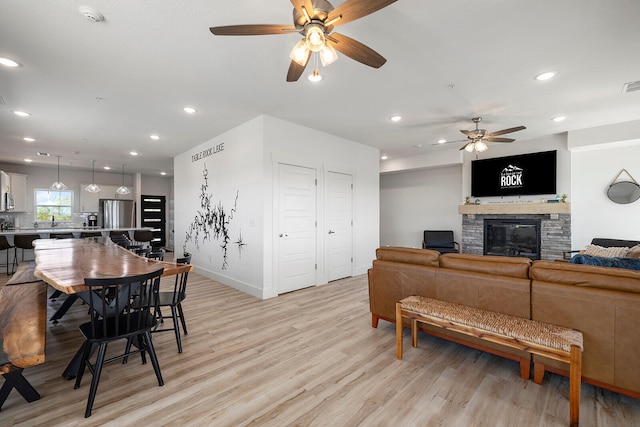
[631, 87]
[42, 153]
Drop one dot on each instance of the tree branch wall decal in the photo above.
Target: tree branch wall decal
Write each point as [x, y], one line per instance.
[211, 222]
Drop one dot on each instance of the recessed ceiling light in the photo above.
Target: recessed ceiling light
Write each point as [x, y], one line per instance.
[442, 141]
[28, 160]
[395, 118]
[107, 168]
[29, 139]
[9, 62]
[154, 137]
[133, 153]
[163, 173]
[418, 146]
[559, 119]
[42, 153]
[383, 157]
[189, 110]
[546, 75]
[21, 113]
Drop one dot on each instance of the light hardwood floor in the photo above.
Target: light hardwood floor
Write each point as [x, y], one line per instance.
[307, 358]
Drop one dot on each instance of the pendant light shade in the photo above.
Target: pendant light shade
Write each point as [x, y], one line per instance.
[123, 189]
[58, 185]
[93, 187]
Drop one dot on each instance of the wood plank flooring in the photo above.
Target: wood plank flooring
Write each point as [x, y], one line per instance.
[307, 358]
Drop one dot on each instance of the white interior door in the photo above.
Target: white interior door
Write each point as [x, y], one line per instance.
[297, 228]
[339, 222]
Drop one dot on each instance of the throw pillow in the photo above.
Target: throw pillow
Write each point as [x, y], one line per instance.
[595, 250]
[634, 252]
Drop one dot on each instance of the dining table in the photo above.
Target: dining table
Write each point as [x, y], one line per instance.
[65, 263]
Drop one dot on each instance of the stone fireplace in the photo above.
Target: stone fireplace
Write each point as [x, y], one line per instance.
[516, 222]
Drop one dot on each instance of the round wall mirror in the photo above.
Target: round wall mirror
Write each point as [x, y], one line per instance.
[624, 192]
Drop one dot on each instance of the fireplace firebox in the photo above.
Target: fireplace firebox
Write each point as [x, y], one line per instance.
[517, 237]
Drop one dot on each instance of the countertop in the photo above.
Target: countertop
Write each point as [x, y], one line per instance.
[46, 231]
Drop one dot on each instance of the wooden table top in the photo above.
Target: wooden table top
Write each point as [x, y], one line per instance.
[65, 263]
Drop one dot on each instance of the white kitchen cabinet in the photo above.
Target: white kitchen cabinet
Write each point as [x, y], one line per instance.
[19, 191]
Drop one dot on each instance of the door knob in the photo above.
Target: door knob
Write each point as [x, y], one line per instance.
[331, 232]
[283, 235]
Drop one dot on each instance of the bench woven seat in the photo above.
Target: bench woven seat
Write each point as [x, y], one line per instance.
[518, 328]
[555, 342]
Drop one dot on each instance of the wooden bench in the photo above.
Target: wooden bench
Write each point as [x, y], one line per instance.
[551, 341]
[23, 318]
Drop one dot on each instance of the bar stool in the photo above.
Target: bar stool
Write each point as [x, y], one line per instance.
[5, 246]
[143, 236]
[22, 241]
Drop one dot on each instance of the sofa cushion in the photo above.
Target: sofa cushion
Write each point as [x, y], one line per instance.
[601, 251]
[634, 252]
[517, 267]
[587, 276]
[408, 255]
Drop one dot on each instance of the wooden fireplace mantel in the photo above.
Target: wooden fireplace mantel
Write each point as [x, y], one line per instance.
[515, 208]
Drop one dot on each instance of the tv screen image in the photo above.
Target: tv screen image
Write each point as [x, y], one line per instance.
[520, 175]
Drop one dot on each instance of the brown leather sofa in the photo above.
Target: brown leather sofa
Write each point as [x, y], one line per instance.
[603, 303]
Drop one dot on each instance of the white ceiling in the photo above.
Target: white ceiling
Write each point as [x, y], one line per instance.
[98, 90]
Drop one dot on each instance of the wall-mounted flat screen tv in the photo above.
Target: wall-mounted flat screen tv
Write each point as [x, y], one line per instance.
[525, 174]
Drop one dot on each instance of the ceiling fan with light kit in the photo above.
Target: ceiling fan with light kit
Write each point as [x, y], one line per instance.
[315, 21]
[477, 138]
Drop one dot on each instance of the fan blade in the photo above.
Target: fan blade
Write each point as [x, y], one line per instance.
[296, 70]
[494, 139]
[298, 4]
[356, 50]
[471, 134]
[351, 10]
[503, 131]
[252, 30]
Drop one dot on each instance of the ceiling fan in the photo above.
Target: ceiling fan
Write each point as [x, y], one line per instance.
[315, 20]
[477, 138]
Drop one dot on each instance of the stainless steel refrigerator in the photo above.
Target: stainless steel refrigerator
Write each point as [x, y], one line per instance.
[116, 213]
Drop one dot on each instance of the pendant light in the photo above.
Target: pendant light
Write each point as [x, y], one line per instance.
[123, 189]
[58, 185]
[93, 187]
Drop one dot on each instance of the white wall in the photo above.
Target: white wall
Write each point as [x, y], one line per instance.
[246, 166]
[414, 201]
[593, 215]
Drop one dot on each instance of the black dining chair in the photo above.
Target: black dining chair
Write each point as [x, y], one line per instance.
[156, 254]
[121, 308]
[173, 299]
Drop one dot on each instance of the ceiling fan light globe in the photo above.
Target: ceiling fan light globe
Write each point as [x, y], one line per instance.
[328, 55]
[315, 38]
[481, 146]
[300, 52]
[469, 148]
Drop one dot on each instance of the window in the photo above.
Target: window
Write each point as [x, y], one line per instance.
[54, 204]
